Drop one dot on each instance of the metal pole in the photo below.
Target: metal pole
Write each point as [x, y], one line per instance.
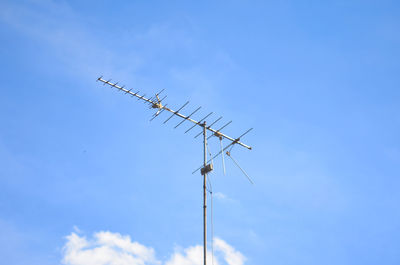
[205, 196]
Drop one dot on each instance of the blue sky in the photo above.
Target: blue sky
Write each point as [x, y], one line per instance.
[81, 165]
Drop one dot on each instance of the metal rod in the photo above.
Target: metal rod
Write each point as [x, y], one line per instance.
[199, 122]
[187, 117]
[205, 195]
[216, 133]
[163, 98]
[210, 125]
[122, 89]
[246, 132]
[160, 92]
[177, 112]
[236, 163]
[214, 122]
[224, 126]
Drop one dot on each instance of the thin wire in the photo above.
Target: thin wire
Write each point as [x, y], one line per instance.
[222, 154]
[209, 187]
[231, 148]
[244, 172]
[209, 152]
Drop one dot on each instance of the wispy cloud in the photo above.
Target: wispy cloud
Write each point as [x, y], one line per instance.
[55, 26]
[220, 195]
[84, 50]
[224, 198]
[107, 248]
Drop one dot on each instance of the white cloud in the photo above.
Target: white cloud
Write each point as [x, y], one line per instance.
[191, 256]
[231, 256]
[108, 248]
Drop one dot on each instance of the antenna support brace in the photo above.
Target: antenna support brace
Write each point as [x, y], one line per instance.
[206, 169]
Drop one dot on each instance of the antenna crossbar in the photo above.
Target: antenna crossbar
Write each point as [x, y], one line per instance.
[158, 105]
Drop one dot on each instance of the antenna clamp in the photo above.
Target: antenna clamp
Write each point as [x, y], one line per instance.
[208, 168]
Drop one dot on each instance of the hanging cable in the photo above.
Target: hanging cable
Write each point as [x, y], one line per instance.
[209, 187]
[230, 149]
[209, 152]
[222, 154]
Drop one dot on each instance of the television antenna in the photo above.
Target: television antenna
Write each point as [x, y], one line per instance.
[155, 102]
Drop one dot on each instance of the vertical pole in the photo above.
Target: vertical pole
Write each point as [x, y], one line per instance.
[205, 196]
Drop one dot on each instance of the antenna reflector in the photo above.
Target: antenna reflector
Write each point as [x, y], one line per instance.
[245, 134]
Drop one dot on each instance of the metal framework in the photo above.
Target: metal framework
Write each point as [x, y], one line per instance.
[156, 103]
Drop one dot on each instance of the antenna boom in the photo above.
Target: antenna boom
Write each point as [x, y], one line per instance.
[153, 102]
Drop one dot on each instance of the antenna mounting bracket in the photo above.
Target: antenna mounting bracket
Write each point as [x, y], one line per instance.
[206, 169]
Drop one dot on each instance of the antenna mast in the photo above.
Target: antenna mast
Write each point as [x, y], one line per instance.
[204, 172]
[156, 103]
